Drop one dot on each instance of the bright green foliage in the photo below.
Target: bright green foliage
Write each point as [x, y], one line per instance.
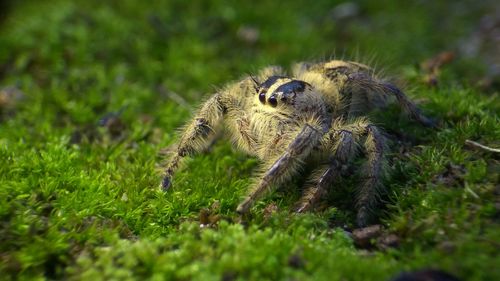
[80, 201]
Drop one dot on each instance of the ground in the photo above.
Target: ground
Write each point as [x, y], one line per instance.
[92, 94]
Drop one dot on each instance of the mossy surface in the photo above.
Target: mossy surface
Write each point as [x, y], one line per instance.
[92, 92]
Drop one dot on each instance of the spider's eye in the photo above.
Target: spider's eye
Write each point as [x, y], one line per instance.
[272, 101]
[262, 97]
[256, 88]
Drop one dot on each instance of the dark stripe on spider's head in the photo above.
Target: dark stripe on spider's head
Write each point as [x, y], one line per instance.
[293, 86]
[290, 87]
[287, 92]
[270, 81]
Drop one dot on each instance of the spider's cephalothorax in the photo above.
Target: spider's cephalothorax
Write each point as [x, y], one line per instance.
[316, 116]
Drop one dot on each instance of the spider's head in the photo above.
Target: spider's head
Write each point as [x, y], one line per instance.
[284, 92]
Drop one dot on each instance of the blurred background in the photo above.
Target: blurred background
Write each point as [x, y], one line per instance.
[100, 57]
[178, 51]
[191, 45]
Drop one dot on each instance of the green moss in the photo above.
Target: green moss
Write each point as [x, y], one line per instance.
[79, 200]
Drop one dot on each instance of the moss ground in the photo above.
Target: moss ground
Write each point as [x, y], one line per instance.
[92, 91]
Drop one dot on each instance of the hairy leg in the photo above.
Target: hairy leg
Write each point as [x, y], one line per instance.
[358, 88]
[285, 165]
[195, 135]
[343, 148]
[366, 89]
[408, 106]
[370, 190]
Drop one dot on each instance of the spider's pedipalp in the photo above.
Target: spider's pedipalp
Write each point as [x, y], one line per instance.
[238, 124]
[285, 166]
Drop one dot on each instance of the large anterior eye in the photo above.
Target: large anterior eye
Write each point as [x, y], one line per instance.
[262, 97]
[272, 101]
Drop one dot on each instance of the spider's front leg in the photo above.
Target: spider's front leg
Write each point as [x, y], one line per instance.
[372, 188]
[285, 165]
[342, 146]
[195, 135]
[344, 149]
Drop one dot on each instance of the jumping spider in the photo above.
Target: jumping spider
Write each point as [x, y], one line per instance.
[314, 117]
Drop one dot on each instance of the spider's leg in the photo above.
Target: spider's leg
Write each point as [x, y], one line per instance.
[409, 107]
[198, 134]
[358, 88]
[285, 165]
[239, 125]
[365, 90]
[370, 190]
[195, 135]
[361, 84]
[343, 149]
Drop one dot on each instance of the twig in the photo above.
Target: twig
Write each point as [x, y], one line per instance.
[481, 146]
[174, 96]
[178, 99]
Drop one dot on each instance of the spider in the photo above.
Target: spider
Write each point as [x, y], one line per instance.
[316, 116]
